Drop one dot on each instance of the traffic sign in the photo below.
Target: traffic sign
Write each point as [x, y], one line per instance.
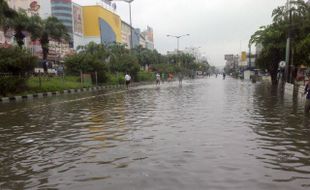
[282, 64]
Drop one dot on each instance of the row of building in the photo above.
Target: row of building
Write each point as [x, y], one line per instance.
[97, 23]
[244, 61]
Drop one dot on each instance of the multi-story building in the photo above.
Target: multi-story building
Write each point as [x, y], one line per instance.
[125, 27]
[142, 41]
[149, 38]
[94, 23]
[62, 9]
[32, 7]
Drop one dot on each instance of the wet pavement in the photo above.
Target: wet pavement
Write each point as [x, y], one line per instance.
[206, 134]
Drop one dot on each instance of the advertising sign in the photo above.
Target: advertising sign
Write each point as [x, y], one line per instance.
[77, 19]
[243, 56]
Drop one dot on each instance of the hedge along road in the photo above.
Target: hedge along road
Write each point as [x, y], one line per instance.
[206, 134]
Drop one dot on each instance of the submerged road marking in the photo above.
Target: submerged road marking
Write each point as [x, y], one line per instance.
[151, 86]
[64, 102]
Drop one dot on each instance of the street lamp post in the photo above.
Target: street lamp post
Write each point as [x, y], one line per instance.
[178, 39]
[130, 20]
[250, 54]
[288, 43]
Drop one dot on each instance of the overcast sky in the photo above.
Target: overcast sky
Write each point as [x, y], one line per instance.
[217, 26]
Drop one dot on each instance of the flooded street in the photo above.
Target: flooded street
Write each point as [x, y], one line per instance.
[208, 134]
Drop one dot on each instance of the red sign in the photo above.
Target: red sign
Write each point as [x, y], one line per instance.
[34, 6]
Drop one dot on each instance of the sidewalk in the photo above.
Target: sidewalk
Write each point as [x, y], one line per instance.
[57, 93]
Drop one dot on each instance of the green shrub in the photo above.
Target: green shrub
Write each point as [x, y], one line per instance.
[11, 85]
[52, 84]
[16, 61]
[116, 78]
[145, 76]
[18, 64]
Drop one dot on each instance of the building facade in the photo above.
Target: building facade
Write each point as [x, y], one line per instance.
[125, 27]
[149, 38]
[41, 8]
[94, 23]
[62, 9]
[32, 7]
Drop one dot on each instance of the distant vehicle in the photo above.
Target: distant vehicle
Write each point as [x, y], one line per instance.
[38, 70]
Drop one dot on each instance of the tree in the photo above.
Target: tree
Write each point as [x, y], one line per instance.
[90, 58]
[5, 12]
[146, 56]
[271, 37]
[20, 24]
[47, 29]
[18, 63]
[296, 22]
[122, 60]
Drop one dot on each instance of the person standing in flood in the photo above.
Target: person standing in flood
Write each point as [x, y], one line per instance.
[127, 80]
[307, 93]
[157, 79]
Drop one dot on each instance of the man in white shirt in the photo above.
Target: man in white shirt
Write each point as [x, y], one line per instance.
[127, 80]
[157, 79]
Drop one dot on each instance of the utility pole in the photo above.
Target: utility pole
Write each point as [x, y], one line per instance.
[178, 39]
[288, 44]
[250, 54]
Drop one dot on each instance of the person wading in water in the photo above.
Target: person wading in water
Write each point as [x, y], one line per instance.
[307, 93]
[127, 80]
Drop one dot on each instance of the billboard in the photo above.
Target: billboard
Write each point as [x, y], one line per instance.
[243, 56]
[77, 19]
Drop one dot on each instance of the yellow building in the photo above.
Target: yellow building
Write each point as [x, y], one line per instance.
[101, 25]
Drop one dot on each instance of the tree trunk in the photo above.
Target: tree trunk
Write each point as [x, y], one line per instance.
[274, 78]
[45, 45]
[19, 37]
[44, 51]
[273, 70]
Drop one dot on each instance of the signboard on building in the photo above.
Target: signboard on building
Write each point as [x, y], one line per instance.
[77, 19]
[34, 7]
[243, 56]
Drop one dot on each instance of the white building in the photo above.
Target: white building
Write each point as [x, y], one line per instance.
[126, 34]
[32, 7]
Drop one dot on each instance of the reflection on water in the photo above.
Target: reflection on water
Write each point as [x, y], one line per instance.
[207, 134]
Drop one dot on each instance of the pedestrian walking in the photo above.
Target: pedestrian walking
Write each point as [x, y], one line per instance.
[157, 79]
[224, 76]
[307, 93]
[127, 80]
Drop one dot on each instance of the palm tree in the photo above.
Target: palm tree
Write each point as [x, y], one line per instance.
[19, 23]
[45, 30]
[5, 12]
[297, 8]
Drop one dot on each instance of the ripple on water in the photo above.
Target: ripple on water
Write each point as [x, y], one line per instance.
[207, 134]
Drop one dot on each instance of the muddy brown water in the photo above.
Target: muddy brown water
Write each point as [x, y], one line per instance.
[208, 134]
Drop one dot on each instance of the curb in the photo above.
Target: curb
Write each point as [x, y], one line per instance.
[58, 93]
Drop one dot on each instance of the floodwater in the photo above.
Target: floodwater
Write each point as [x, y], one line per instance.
[206, 134]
